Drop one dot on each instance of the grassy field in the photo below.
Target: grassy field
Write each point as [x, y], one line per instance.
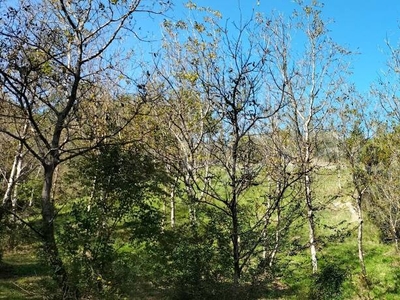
[24, 276]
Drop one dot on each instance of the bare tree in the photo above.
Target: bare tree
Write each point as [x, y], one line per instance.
[385, 187]
[229, 74]
[179, 118]
[310, 80]
[281, 210]
[208, 106]
[353, 137]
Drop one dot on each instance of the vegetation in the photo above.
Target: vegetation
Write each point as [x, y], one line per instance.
[235, 162]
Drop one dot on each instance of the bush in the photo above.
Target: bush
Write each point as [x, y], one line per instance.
[328, 283]
[119, 184]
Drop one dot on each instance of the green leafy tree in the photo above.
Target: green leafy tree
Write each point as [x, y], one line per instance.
[52, 54]
[384, 207]
[126, 182]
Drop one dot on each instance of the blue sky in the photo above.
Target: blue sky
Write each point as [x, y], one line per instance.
[361, 26]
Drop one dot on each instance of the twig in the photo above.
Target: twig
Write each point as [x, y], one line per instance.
[26, 291]
[24, 222]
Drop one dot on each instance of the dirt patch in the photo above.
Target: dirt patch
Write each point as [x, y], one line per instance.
[349, 207]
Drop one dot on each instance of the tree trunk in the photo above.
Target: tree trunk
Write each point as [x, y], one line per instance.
[396, 242]
[192, 199]
[10, 194]
[14, 198]
[395, 237]
[264, 237]
[277, 236]
[235, 244]
[360, 236]
[393, 230]
[172, 203]
[15, 173]
[311, 224]
[48, 234]
[30, 204]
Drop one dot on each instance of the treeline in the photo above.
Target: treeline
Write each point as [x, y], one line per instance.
[189, 174]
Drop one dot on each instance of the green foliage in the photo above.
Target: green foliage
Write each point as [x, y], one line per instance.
[188, 263]
[328, 282]
[30, 191]
[114, 236]
[121, 182]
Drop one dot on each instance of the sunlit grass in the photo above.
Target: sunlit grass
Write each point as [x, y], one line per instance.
[24, 276]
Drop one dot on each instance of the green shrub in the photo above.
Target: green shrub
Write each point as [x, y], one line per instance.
[328, 283]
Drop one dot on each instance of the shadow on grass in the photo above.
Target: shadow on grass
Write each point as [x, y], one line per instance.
[22, 276]
[8, 271]
[11, 290]
[228, 291]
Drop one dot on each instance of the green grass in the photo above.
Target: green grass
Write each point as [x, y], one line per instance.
[337, 234]
[23, 276]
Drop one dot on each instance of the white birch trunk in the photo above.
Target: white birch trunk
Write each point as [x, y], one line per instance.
[12, 178]
[11, 191]
[360, 236]
[311, 224]
[15, 174]
[172, 203]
